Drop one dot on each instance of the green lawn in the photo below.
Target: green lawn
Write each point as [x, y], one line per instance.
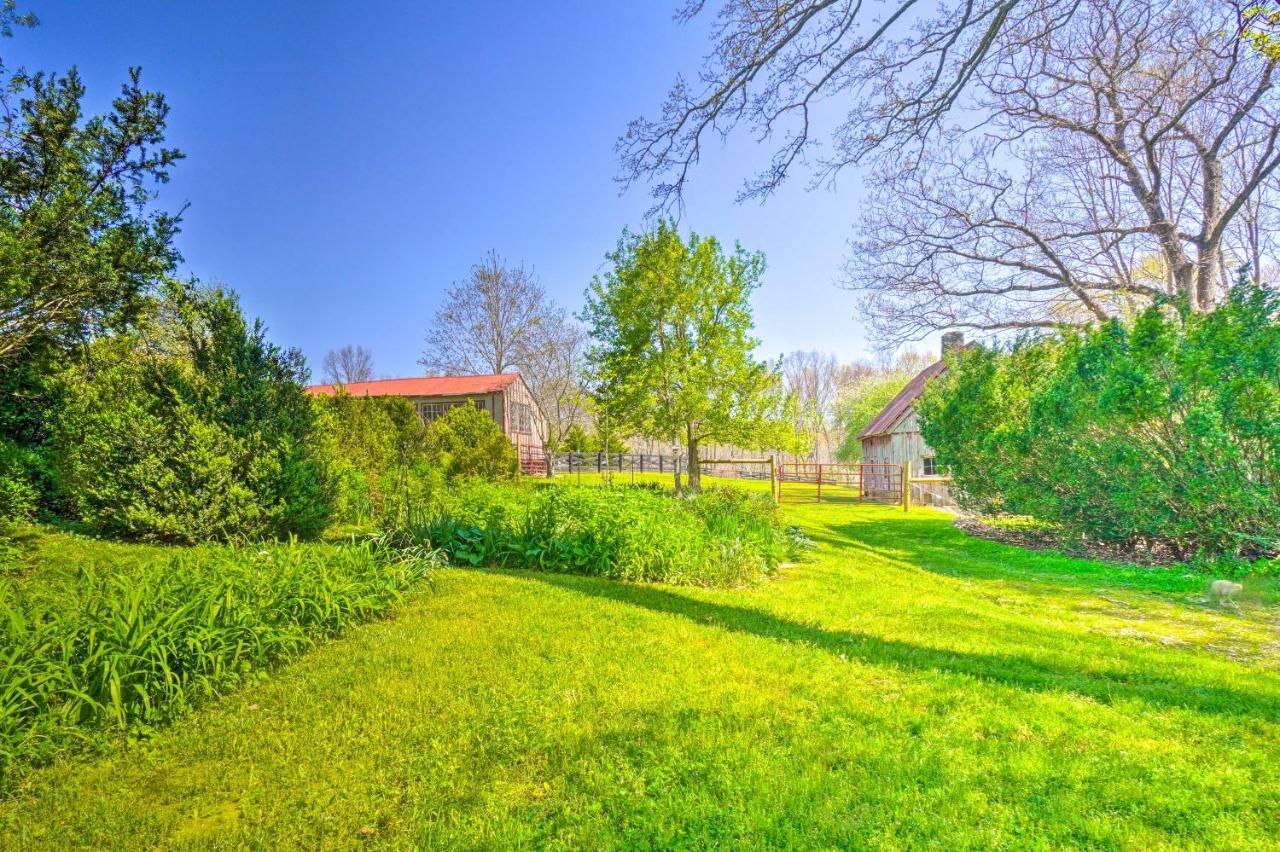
[905, 684]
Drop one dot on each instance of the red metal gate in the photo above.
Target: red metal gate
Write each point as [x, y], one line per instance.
[533, 462]
[820, 482]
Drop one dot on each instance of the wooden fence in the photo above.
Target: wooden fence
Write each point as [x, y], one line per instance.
[820, 482]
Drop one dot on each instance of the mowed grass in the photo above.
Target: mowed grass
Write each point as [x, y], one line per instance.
[904, 685]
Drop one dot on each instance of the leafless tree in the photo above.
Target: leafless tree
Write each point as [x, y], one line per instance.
[500, 319]
[488, 321]
[552, 365]
[814, 379]
[1034, 162]
[348, 364]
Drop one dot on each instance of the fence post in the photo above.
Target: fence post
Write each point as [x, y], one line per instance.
[819, 482]
[906, 485]
[599, 462]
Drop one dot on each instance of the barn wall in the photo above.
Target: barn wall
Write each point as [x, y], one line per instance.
[517, 394]
[901, 444]
[904, 443]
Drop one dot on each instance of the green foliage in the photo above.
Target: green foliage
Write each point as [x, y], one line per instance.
[905, 672]
[378, 449]
[672, 354]
[859, 405]
[122, 649]
[17, 493]
[579, 440]
[467, 442]
[1162, 434]
[721, 537]
[196, 428]
[79, 248]
[81, 245]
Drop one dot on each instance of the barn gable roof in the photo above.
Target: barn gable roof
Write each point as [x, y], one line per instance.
[898, 406]
[425, 386]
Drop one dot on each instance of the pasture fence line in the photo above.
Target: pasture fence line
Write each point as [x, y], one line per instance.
[887, 483]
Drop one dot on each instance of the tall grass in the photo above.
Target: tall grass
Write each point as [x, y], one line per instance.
[719, 538]
[127, 649]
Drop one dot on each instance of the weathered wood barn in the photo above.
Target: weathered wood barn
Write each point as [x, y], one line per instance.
[504, 396]
[893, 437]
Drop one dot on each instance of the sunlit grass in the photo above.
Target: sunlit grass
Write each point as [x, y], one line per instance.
[904, 685]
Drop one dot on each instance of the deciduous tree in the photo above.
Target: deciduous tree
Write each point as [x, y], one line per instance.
[672, 352]
[500, 319]
[348, 364]
[1033, 162]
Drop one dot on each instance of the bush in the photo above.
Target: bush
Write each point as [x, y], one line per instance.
[467, 442]
[1160, 435]
[718, 538]
[124, 649]
[17, 493]
[194, 429]
[379, 452]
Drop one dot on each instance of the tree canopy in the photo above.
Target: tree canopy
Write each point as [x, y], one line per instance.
[672, 352]
[1032, 163]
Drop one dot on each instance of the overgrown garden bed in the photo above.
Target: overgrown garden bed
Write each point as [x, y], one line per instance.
[96, 651]
[720, 537]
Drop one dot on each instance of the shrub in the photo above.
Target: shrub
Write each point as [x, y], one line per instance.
[717, 538]
[467, 442]
[17, 493]
[194, 429]
[1161, 434]
[379, 452]
[121, 649]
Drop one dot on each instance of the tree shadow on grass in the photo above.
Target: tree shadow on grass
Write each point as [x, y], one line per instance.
[934, 545]
[1118, 683]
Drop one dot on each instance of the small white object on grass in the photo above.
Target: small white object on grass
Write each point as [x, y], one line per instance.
[1225, 590]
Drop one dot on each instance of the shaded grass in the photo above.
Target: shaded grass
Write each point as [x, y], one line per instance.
[907, 685]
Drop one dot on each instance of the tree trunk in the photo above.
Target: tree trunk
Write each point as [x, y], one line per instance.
[695, 473]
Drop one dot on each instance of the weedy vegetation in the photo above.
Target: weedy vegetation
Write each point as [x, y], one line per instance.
[720, 537]
[91, 651]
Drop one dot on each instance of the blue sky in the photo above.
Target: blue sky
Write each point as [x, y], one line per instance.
[347, 161]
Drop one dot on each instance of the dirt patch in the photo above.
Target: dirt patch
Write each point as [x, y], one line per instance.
[1034, 539]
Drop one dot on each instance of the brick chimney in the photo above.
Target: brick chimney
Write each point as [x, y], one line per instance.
[951, 341]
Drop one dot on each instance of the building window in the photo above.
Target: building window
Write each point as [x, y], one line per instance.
[930, 466]
[430, 411]
[521, 418]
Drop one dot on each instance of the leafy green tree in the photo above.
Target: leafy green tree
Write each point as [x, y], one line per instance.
[81, 244]
[467, 442]
[672, 354]
[193, 427]
[1162, 433]
[579, 440]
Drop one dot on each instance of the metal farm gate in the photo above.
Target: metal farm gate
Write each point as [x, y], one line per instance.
[820, 482]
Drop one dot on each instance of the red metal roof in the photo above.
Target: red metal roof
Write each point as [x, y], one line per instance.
[426, 386]
[900, 403]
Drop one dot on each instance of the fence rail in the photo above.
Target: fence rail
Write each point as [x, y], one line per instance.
[841, 482]
[822, 482]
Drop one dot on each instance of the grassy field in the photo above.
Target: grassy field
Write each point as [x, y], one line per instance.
[905, 684]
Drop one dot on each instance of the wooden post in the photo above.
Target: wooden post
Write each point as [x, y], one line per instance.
[819, 482]
[906, 485]
[773, 480]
